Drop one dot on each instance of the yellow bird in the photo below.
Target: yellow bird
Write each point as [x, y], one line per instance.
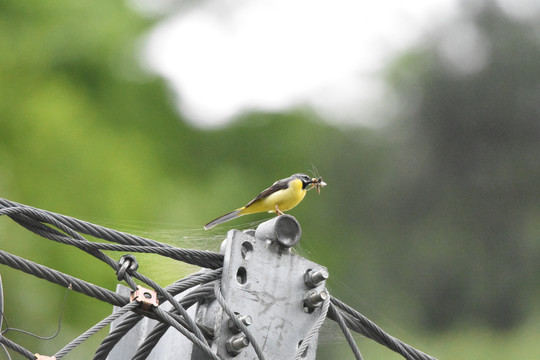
[283, 195]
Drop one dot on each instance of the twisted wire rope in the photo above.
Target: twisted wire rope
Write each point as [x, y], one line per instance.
[132, 319]
[368, 328]
[205, 291]
[237, 322]
[333, 312]
[313, 331]
[16, 347]
[94, 329]
[68, 230]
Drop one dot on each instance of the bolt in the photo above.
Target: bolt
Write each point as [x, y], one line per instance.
[313, 299]
[317, 297]
[314, 278]
[236, 343]
[244, 319]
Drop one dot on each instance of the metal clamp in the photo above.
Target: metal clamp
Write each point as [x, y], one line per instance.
[126, 262]
[145, 297]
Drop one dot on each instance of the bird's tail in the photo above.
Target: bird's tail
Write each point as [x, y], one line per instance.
[224, 218]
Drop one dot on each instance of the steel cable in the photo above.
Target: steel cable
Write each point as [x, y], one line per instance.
[23, 214]
[62, 279]
[334, 313]
[68, 230]
[237, 322]
[16, 347]
[195, 257]
[170, 320]
[313, 331]
[116, 335]
[100, 325]
[359, 323]
[205, 291]
[192, 326]
[131, 320]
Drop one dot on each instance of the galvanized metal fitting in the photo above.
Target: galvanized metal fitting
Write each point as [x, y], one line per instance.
[244, 319]
[236, 344]
[284, 229]
[313, 299]
[145, 297]
[314, 277]
[126, 262]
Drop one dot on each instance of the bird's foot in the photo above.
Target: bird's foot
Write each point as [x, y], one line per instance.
[279, 212]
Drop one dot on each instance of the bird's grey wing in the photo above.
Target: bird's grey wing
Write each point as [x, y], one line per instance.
[278, 185]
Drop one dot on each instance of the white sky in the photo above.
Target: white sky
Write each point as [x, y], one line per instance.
[223, 57]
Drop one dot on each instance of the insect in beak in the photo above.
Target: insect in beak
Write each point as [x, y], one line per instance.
[317, 183]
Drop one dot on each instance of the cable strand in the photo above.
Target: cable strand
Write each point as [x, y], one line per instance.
[16, 347]
[94, 329]
[61, 279]
[68, 230]
[237, 322]
[359, 323]
[334, 313]
[313, 331]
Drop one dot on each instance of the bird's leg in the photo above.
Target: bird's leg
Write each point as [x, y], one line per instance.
[279, 212]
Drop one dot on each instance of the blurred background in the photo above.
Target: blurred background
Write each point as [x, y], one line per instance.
[154, 117]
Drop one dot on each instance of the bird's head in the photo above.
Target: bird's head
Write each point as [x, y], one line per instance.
[307, 181]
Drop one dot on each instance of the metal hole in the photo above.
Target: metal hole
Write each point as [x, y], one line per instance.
[241, 275]
[246, 250]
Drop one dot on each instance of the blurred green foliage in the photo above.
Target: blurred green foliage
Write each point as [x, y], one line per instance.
[432, 221]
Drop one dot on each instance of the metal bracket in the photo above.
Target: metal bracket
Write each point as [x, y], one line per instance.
[273, 291]
[264, 280]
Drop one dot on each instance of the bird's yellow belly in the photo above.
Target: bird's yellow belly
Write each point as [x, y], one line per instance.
[285, 200]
